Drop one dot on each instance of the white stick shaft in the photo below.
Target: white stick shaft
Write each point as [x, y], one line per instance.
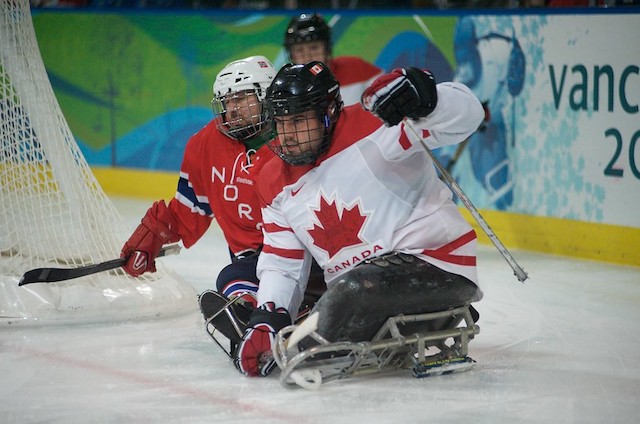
[517, 269]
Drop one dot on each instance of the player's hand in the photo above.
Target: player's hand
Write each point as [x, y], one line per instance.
[142, 248]
[404, 92]
[254, 356]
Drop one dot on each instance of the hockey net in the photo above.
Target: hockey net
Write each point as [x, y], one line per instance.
[53, 213]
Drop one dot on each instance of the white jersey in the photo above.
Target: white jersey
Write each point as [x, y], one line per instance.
[375, 191]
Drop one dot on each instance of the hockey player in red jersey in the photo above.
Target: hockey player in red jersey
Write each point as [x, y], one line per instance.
[216, 177]
[217, 180]
[308, 38]
[356, 190]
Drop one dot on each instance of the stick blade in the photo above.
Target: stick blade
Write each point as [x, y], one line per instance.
[53, 275]
[38, 275]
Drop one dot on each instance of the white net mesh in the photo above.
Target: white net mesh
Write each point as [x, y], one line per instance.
[53, 213]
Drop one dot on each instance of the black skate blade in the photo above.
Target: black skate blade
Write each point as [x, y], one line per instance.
[442, 366]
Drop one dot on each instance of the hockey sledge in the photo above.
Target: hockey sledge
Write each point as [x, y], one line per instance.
[403, 342]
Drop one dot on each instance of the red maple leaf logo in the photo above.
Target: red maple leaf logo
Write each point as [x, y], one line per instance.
[337, 232]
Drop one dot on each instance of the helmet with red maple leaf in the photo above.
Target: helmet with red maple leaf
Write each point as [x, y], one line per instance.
[295, 90]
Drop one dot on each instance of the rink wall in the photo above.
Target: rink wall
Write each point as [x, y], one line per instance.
[557, 169]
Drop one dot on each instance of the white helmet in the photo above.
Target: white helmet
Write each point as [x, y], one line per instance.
[238, 93]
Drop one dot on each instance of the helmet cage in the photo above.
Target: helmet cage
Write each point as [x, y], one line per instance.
[327, 109]
[247, 116]
[238, 94]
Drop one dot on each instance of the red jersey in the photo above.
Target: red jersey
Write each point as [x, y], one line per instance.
[354, 75]
[217, 181]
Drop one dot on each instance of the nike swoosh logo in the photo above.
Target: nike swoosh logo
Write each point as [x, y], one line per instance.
[139, 261]
[295, 192]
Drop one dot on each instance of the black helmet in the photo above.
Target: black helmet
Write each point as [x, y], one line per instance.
[297, 89]
[307, 27]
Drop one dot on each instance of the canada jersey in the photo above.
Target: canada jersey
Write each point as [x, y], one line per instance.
[375, 191]
[217, 180]
[354, 75]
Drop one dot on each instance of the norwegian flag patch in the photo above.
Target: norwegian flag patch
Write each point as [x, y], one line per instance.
[316, 69]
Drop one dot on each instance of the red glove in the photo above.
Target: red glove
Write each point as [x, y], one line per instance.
[142, 248]
[254, 357]
[404, 92]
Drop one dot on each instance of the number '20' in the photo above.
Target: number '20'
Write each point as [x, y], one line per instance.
[610, 170]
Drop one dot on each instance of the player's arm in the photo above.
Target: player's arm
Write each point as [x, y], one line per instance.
[283, 269]
[457, 116]
[191, 208]
[185, 218]
[449, 111]
[284, 264]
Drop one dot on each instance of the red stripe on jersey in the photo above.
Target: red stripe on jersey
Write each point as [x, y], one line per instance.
[444, 253]
[285, 253]
[274, 228]
[459, 242]
[404, 140]
[454, 259]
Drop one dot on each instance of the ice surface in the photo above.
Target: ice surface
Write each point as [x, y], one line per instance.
[561, 348]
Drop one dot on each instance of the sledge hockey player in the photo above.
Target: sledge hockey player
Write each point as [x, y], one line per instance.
[217, 180]
[356, 191]
[308, 38]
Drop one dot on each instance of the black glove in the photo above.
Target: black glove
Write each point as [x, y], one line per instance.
[404, 92]
[254, 356]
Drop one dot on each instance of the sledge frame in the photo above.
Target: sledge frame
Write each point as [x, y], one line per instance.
[390, 349]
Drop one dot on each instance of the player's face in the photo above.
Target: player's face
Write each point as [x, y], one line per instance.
[299, 134]
[242, 109]
[303, 53]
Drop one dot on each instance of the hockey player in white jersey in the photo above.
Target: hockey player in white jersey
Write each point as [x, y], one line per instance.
[356, 190]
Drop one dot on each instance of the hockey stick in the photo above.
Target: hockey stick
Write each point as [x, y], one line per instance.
[461, 146]
[52, 275]
[457, 154]
[517, 269]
